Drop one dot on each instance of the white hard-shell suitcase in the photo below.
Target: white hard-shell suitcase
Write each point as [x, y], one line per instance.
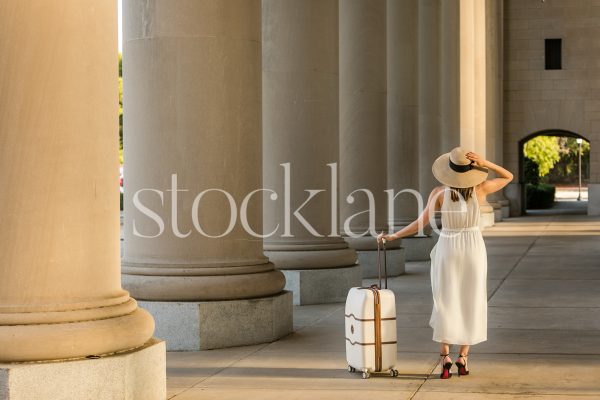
[371, 327]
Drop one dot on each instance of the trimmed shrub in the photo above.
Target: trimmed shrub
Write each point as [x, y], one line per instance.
[531, 171]
[539, 196]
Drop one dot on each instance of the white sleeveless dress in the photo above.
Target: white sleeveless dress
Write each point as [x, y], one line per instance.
[458, 275]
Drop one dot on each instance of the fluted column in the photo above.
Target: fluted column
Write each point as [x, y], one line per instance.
[192, 106]
[450, 74]
[60, 291]
[494, 95]
[474, 85]
[301, 130]
[363, 133]
[468, 81]
[430, 142]
[403, 120]
[402, 106]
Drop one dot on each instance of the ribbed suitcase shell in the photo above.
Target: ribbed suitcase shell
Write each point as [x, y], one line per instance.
[360, 330]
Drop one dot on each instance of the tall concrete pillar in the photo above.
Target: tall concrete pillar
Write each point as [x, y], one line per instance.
[430, 92]
[494, 94]
[468, 86]
[363, 133]
[300, 137]
[450, 74]
[60, 291]
[402, 120]
[192, 106]
[430, 140]
[473, 85]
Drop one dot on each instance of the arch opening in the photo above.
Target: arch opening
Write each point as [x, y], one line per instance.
[549, 172]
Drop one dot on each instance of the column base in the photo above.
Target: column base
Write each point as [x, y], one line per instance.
[366, 251]
[320, 286]
[418, 248]
[136, 374]
[368, 260]
[594, 199]
[514, 194]
[205, 325]
[486, 216]
[505, 207]
[497, 211]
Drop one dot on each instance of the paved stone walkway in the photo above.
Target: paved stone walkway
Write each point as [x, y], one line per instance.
[543, 341]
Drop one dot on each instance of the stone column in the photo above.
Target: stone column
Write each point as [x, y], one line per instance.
[450, 74]
[473, 86]
[60, 291]
[363, 132]
[402, 120]
[192, 106]
[430, 121]
[494, 95]
[430, 143]
[300, 136]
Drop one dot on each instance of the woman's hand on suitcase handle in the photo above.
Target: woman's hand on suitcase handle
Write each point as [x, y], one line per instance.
[385, 238]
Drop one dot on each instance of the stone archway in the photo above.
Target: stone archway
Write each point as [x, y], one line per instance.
[521, 153]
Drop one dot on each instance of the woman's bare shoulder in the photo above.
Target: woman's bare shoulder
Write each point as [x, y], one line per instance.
[480, 192]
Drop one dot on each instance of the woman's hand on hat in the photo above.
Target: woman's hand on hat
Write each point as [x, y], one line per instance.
[476, 159]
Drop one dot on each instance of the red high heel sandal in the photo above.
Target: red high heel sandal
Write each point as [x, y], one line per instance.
[462, 368]
[445, 367]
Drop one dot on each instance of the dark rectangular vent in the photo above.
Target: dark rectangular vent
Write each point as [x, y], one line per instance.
[553, 54]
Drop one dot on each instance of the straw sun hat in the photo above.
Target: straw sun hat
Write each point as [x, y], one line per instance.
[454, 169]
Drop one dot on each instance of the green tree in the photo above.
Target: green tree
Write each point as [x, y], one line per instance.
[544, 151]
[121, 108]
[120, 101]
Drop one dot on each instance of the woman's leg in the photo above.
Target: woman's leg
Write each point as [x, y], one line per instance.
[445, 360]
[445, 349]
[464, 351]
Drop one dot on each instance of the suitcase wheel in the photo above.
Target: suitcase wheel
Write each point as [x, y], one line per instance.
[351, 368]
[393, 373]
[366, 375]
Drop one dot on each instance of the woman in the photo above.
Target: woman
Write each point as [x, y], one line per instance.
[459, 259]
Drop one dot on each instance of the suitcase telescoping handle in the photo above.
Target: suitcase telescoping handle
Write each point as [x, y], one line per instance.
[379, 247]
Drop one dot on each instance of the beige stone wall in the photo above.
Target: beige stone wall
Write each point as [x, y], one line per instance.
[536, 99]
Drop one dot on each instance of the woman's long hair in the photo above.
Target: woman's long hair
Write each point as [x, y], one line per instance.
[461, 193]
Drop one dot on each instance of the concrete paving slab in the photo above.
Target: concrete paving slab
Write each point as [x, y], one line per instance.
[581, 266]
[540, 341]
[324, 370]
[500, 266]
[317, 338]
[420, 320]
[311, 314]
[523, 375]
[492, 285]
[291, 394]
[416, 339]
[494, 396]
[187, 368]
[547, 293]
[544, 318]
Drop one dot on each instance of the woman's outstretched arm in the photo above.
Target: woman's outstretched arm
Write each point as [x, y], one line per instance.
[491, 185]
[433, 203]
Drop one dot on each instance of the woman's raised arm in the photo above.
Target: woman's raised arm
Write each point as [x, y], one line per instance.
[491, 185]
[433, 204]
